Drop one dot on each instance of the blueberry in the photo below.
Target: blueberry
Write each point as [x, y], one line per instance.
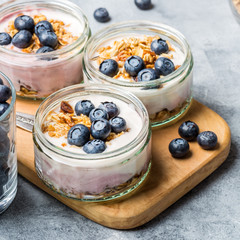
[78, 135]
[4, 150]
[22, 39]
[3, 108]
[207, 140]
[1, 191]
[178, 147]
[1, 81]
[98, 113]
[49, 39]
[43, 26]
[159, 46]
[94, 146]
[188, 130]
[4, 170]
[143, 4]
[3, 134]
[101, 15]
[45, 49]
[24, 22]
[84, 107]
[134, 65]
[5, 93]
[147, 75]
[110, 107]
[164, 66]
[118, 124]
[5, 38]
[109, 67]
[100, 129]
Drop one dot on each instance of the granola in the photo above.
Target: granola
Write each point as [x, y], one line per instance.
[64, 37]
[121, 50]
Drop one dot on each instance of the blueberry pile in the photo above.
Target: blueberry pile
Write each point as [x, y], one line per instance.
[26, 28]
[135, 67]
[5, 94]
[4, 152]
[189, 131]
[104, 120]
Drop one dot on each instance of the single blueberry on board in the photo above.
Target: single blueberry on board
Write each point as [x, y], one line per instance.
[133, 65]
[101, 15]
[22, 39]
[188, 130]
[94, 146]
[100, 129]
[5, 38]
[164, 66]
[159, 46]
[207, 140]
[111, 108]
[98, 113]
[24, 22]
[118, 124]
[178, 147]
[78, 135]
[84, 107]
[109, 67]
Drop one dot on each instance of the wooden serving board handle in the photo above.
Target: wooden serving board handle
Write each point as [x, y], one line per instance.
[169, 178]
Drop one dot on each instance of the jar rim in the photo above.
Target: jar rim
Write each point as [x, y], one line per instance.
[62, 3]
[137, 25]
[77, 157]
[13, 100]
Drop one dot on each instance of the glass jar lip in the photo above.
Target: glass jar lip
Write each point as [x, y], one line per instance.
[64, 3]
[13, 100]
[76, 157]
[136, 24]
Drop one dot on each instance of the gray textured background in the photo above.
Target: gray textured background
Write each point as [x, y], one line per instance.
[212, 209]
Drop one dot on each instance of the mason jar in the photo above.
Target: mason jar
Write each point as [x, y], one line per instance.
[8, 156]
[93, 177]
[36, 76]
[166, 98]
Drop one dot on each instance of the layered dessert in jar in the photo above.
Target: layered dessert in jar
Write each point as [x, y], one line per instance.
[92, 143]
[151, 60]
[41, 45]
[8, 156]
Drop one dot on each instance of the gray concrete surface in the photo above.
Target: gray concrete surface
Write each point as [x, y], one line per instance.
[209, 211]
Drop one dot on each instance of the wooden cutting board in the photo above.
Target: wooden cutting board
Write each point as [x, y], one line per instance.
[169, 178]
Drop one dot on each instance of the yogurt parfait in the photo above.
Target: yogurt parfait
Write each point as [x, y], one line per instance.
[41, 45]
[92, 143]
[151, 60]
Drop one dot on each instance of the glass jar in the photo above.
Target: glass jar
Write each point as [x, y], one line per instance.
[36, 76]
[235, 7]
[166, 98]
[8, 156]
[92, 177]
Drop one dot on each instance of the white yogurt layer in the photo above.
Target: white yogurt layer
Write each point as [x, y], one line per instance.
[72, 25]
[127, 111]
